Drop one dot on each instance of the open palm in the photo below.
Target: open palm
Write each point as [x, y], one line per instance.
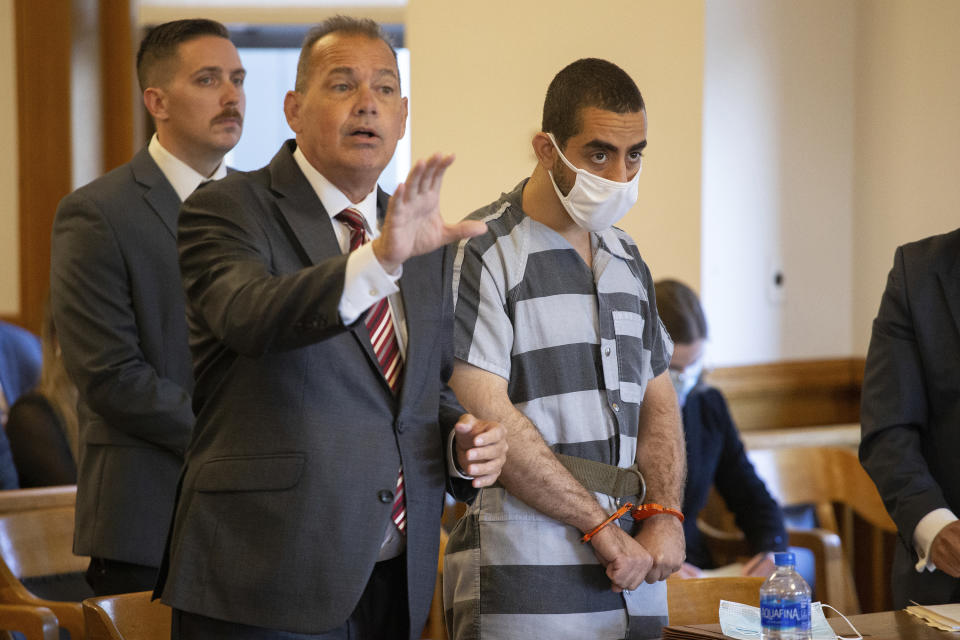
[413, 224]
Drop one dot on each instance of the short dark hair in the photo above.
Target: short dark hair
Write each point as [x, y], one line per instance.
[680, 311]
[337, 24]
[160, 45]
[588, 82]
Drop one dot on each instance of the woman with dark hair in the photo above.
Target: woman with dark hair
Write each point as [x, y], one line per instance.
[715, 454]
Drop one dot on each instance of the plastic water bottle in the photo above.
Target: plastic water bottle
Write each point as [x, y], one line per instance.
[785, 602]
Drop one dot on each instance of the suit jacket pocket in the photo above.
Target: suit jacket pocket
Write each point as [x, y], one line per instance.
[251, 473]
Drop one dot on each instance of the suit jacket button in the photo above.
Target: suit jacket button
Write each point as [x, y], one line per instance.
[386, 497]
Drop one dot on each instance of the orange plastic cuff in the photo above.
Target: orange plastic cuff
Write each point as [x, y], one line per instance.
[644, 511]
[616, 514]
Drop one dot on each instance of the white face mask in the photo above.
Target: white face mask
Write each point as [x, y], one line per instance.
[684, 381]
[595, 203]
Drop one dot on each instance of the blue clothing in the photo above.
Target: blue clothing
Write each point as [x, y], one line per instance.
[19, 361]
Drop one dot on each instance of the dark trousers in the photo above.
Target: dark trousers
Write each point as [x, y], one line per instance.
[381, 614]
[110, 577]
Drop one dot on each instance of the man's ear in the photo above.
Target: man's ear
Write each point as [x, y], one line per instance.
[544, 150]
[291, 109]
[155, 100]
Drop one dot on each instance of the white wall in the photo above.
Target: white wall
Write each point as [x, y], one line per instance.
[907, 138]
[778, 178]
[9, 200]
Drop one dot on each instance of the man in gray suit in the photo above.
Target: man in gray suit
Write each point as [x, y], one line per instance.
[118, 303]
[326, 433]
[910, 417]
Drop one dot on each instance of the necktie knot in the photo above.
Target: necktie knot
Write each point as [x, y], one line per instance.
[354, 220]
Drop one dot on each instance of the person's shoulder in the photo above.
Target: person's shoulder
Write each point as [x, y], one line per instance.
[503, 216]
[933, 249]
[112, 187]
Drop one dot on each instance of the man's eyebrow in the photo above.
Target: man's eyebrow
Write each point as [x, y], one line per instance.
[640, 146]
[601, 145]
[211, 69]
[347, 71]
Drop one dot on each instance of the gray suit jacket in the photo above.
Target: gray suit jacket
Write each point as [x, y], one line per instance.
[910, 410]
[118, 307]
[287, 488]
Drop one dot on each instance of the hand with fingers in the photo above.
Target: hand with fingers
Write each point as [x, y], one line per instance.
[413, 224]
[945, 550]
[626, 560]
[481, 449]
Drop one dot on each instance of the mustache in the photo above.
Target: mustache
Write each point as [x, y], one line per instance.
[229, 114]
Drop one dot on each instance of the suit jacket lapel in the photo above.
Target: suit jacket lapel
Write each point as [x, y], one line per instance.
[300, 208]
[158, 193]
[950, 282]
[415, 290]
[311, 230]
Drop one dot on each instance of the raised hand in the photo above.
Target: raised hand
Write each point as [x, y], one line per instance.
[413, 224]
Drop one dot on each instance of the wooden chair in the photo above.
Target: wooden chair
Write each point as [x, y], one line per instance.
[38, 543]
[129, 616]
[729, 545]
[827, 477]
[35, 623]
[822, 477]
[697, 600]
[13, 500]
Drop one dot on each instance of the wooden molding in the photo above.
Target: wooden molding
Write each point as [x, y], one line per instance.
[798, 393]
[119, 87]
[43, 41]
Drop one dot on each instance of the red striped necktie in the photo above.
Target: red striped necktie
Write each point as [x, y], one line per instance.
[383, 337]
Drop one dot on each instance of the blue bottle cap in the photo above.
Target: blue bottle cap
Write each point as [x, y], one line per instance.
[784, 558]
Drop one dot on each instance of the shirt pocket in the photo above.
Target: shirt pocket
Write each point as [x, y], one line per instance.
[633, 361]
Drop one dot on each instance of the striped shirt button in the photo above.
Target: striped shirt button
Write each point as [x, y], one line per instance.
[606, 351]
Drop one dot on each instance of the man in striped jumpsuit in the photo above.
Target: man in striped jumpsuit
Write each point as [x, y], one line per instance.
[557, 337]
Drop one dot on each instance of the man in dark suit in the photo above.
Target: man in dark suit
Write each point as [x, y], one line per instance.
[118, 303]
[326, 433]
[910, 417]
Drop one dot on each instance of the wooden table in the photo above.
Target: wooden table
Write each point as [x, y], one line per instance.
[886, 625]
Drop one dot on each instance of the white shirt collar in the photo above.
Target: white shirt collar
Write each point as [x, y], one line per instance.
[184, 178]
[333, 200]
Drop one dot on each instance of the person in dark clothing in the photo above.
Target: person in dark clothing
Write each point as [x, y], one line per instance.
[715, 454]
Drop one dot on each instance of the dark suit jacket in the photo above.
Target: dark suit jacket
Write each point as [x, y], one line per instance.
[715, 457]
[910, 412]
[118, 307]
[287, 489]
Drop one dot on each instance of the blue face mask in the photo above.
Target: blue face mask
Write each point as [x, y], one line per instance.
[684, 381]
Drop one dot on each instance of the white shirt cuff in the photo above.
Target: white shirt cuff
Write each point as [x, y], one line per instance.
[452, 468]
[927, 529]
[365, 283]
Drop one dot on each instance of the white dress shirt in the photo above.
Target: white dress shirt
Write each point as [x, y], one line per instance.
[927, 529]
[184, 178]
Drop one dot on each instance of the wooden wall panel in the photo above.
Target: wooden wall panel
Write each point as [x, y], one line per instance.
[117, 68]
[792, 394]
[43, 44]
